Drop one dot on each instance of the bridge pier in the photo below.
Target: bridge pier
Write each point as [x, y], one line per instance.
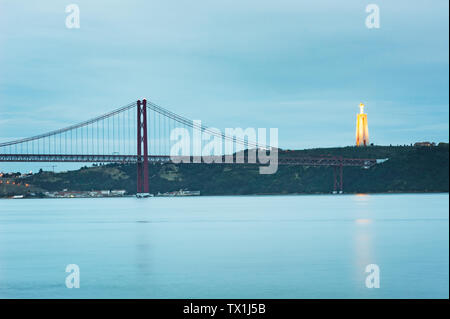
[338, 170]
[142, 150]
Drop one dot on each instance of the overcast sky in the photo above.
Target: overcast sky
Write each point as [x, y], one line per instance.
[300, 66]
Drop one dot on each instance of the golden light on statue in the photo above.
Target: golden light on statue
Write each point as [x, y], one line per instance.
[362, 128]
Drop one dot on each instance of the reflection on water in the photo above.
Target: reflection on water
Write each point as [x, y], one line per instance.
[142, 252]
[364, 252]
[362, 221]
[226, 247]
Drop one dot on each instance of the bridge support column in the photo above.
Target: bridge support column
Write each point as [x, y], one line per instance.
[139, 149]
[339, 167]
[335, 179]
[145, 142]
[142, 150]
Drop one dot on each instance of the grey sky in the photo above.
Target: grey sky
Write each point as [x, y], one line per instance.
[300, 66]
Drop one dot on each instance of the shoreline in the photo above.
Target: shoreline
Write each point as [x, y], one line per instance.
[239, 195]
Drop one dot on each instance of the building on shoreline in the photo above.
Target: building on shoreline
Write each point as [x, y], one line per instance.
[181, 192]
[85, 194]
[424, 144]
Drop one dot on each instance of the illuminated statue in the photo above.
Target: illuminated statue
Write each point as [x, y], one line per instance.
[362, 128]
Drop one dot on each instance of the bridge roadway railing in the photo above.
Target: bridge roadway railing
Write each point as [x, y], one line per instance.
[115, 158]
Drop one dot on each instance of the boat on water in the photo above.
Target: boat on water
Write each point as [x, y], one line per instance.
[17, 197]
[181, 192]
[144, 195]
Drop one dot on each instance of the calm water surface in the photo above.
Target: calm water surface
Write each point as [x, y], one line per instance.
[226, 247]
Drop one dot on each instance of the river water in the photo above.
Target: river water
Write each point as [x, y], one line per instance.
[306, 246]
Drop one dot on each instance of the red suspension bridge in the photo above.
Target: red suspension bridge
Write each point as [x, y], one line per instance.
[140, 132]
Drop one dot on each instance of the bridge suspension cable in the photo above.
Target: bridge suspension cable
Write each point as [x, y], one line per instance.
[114, 133]
[70, 128]
[202, 128]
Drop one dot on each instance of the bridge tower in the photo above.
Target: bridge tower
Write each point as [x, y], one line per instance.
[142, 150]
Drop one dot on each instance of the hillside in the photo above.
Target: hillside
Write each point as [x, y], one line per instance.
[409, 169]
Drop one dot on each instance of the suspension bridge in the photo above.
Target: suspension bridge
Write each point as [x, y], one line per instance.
[140, 133]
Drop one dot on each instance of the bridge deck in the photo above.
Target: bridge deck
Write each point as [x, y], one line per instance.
[130, 159]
